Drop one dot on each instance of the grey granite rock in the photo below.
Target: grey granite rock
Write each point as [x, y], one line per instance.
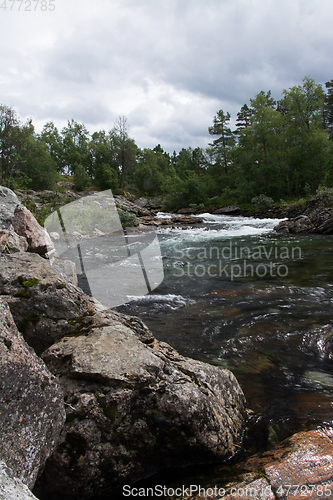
[133, 409]
[26, 226]
[12, 488]
[31, 404]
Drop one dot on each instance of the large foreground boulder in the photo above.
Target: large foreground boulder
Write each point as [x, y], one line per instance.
[128, 206]
[133, 405]
[31, 404]
[133, 409]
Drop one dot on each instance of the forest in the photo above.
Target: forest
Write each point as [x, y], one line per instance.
[279, 150]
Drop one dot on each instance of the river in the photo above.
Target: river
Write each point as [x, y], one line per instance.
[238, 295]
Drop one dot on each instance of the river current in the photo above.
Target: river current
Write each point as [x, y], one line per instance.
[240, 296]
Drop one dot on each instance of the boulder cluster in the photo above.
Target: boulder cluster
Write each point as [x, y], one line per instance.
[316, 217]
[89, 399]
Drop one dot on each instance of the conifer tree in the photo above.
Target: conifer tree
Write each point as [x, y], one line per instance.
[221, 146]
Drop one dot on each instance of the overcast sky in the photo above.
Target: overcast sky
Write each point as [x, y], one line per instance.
[167, 65]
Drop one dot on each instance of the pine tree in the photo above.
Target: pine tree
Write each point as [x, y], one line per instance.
[221, 146]
[243, 118]
[328, 109]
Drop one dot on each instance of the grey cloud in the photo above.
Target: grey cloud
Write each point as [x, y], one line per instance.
[168, 66]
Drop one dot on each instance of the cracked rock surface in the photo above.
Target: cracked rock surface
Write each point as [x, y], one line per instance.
[134, 408]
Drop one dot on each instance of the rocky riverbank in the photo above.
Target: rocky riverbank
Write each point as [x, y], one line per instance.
[315, 216]
[89, 399]
[142, 210]
[312, 216]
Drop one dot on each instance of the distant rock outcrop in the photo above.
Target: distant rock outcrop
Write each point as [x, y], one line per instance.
[301, 224]
[45, 305]
[316, 217]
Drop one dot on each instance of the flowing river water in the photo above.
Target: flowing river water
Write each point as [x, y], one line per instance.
[240, 296]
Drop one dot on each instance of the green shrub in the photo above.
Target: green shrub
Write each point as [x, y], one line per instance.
[262, 201]
[127, 218]
[324, 193]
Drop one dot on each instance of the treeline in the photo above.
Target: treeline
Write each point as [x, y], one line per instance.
[280, 149]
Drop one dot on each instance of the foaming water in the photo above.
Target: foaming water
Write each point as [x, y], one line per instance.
[170, 301]
[216, 227]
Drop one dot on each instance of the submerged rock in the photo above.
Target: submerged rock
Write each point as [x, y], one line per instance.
[303, 461]
[31, 404]
[133, 409]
